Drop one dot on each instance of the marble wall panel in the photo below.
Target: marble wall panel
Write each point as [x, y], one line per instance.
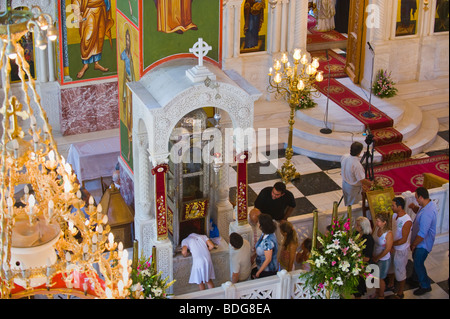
[89, 108]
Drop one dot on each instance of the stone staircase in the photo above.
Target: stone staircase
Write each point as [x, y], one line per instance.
[417, 110]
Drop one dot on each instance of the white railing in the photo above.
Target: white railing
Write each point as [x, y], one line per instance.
[283, 285]
[440, 195]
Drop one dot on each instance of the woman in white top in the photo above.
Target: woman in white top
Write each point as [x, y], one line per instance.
[383, 239]
[202, 268]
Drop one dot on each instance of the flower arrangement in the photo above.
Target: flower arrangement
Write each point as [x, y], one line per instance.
[147, 284]
[384, 86]
[337, 263]
[305, 101]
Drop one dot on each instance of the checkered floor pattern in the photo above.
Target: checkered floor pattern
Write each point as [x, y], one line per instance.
[319, 184]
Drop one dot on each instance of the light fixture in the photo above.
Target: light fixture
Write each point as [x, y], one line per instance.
[292, 83]
[51, 240]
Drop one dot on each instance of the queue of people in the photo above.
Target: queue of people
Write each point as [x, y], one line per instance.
[386, 246]
[393, 237]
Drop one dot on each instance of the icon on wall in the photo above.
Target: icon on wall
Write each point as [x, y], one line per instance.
[253, 33]
[174, 16]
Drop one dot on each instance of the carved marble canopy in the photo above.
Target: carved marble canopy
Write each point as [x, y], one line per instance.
[165, 94]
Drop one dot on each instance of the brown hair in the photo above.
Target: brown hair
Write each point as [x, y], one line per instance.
[291, 234]
[266, 224]
[385, 217]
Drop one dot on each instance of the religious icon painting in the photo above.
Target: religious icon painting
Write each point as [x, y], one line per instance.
[171, 27]
[380, 201]
[441, 22]
[253, 26]
[88, 42]
[174, 16]
[407, 17]
[127, 71]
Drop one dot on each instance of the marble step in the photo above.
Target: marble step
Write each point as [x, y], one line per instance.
[438, 101]
[418, 89]
[308, 128]
[334, 149]
[425, 136]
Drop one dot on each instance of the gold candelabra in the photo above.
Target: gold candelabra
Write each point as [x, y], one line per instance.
[50, 239]
[293, 82]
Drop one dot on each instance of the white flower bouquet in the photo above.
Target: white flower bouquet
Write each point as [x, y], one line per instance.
[337, 263]
[147, 283]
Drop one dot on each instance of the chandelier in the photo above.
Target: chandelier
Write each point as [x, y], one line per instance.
[293, 82]
[51, 240]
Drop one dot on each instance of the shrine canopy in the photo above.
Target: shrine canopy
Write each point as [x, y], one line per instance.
[173, 89]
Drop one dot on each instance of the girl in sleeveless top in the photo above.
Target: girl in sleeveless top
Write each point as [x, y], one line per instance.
[289, 246]
[383, 239]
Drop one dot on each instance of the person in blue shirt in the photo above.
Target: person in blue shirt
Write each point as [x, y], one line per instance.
[422, 237]
[266, 249]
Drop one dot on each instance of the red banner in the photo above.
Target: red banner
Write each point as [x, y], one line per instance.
[160, 197]
[242, 186]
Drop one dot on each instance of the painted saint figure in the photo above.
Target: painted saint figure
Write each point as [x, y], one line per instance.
[95, 21]
[326, 11]
[129, 76]
[174, 16]
[254, 18]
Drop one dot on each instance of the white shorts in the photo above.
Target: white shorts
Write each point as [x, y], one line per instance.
[399, 259]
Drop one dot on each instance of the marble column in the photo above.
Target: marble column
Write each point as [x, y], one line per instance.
[51, 61]
[284, 25]
[301, 24]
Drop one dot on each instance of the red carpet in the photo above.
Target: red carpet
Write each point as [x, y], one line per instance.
[320, 37]
[354, 104]
[394, 152]
[311, 22]
[407, 175]
[387, 135]
[387, 139]
[336, 63]
[315, 36]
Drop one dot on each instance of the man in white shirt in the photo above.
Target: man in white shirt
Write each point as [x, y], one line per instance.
[401, 229]
[353, 175]
[240, 264]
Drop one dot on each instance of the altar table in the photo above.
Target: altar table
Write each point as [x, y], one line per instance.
[94, 159]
